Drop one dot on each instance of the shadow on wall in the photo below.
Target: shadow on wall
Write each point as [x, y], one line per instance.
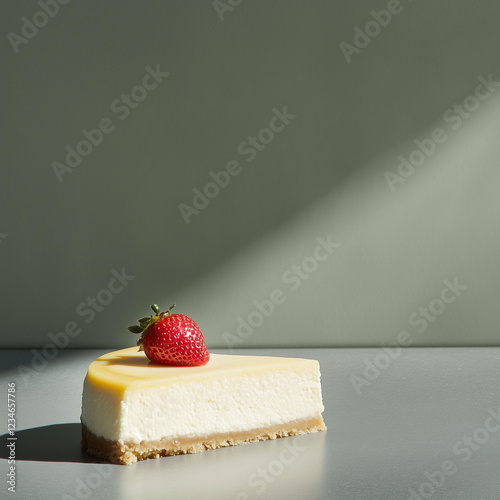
[287, 120]
[415, 252]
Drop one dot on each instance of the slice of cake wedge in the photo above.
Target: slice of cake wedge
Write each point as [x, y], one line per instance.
[133, 409]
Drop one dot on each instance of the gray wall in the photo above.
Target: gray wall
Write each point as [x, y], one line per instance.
[322, 173]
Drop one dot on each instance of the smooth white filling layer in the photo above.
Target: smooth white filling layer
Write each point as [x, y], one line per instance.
[221, 404]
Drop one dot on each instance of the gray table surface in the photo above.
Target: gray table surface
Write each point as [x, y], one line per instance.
[423, 423]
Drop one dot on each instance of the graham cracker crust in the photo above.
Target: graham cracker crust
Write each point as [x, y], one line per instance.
[129, 453]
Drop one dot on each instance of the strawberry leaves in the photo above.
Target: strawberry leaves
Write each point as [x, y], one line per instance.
[147, 321]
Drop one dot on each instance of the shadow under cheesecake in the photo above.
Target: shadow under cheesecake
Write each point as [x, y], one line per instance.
[49, 443]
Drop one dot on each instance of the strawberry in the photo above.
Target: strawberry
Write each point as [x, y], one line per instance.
[171, 339]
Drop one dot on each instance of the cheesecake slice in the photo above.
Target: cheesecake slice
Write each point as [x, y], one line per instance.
[133, 409]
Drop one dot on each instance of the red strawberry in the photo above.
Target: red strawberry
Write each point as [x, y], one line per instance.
[171, 339]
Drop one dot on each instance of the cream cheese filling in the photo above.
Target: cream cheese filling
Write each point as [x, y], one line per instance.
[124, 401]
